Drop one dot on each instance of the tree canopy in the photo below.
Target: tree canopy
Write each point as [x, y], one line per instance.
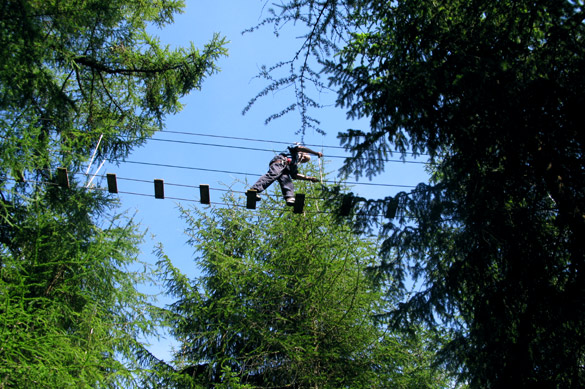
[285, 300]
[492, 92]
[75, 74]
[74, 70]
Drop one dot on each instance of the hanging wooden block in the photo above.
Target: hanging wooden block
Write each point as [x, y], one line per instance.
[112, 183]
[299, 203]
[62, 177]
[204, 193]
[251, 199]
[346, 204]
[159, 189]
[392, 207]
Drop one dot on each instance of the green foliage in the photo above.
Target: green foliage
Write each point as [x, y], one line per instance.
[72, 73]
[297, 73]
[479, 87]
[285, 300]
[493, 93]
[68, 297]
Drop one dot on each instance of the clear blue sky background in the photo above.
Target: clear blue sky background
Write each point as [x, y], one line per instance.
[217, 110]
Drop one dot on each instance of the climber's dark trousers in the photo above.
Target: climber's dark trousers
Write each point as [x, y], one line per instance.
[278, 170]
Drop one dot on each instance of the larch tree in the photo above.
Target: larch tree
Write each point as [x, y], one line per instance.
[492, 92]
[286, 300]
[74, 74]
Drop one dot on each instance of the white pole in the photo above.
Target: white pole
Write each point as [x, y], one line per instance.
[95, 174]
[93, 155]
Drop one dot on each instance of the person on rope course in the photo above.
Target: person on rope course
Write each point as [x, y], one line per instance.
[284, 168]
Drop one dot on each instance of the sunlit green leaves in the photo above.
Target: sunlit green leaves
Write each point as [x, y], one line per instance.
[285, 299]
[74, 74]
[77, 71]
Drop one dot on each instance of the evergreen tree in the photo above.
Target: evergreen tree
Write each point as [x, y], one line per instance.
[284, 300]
[72, 74]
[492, 91]
[70, 309]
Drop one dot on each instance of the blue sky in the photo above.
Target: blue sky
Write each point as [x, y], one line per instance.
[217, 110]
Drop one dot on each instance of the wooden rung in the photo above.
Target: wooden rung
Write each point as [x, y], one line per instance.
[112, 183]
[299, 203]
[159, 189]
[62, 177]
[251, 198]
[346, 205]
[204, 194]
[392, 207]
